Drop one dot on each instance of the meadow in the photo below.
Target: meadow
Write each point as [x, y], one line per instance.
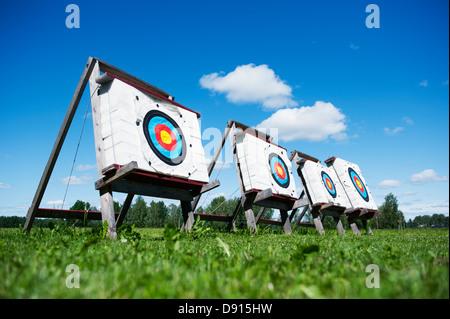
[162, 263]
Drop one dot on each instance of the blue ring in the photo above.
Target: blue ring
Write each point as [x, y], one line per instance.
[332, 192]
[364, 194]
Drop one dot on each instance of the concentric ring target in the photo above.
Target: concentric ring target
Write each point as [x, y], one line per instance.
[164, 137]
[279, 170]
[329, 185]
[359, 185]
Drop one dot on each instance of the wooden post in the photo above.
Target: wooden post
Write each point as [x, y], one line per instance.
[125, 207]
[58, 144]
[188, 215]
[251, 223]
[301, 216]
[106, 198]
[107, 204]
[317, 222]
[285, 221]
[339, 226]
[355, 229]
[232, 223]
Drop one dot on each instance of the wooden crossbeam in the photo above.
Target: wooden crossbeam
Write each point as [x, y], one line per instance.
[69, 214]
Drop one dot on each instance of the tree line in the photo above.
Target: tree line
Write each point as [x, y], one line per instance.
[143, 215]
[158, 214]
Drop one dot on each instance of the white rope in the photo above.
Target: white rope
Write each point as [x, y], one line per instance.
[78, 146]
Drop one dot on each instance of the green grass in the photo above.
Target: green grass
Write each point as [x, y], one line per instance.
[212, 264]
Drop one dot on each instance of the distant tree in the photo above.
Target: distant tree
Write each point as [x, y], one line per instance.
[138, 213]
[117, 207]
[158, 214]
[80, 205]
[175, 218]
[390, 215]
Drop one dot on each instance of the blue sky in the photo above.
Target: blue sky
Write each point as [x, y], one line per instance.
[377, 97]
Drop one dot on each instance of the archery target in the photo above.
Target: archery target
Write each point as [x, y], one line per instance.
[323, 185]
[263, 165]
[328, 183]
[164, 137]
[161, 137]
[359, 185]
[279, 170]
[355, 186]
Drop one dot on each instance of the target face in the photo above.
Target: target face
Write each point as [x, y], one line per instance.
[278, 170]
[359, 185]
[164, 137]
[329, 185]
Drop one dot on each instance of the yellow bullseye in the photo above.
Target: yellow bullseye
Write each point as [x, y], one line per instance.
[358, 183]
[279, 170]
[165, 137]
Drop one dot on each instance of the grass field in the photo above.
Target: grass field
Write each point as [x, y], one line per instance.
[211, 264]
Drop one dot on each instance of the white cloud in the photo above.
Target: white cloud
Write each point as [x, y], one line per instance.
[426, 176]
[3, 185]
[86, 167]
[354, 46]
[407, 120]
[311, 123]
[424, 83]
[251, 84]
[75, 180]
[394, 131]
[444, 204]
[56, 203]
[445, 82]
[389, 183]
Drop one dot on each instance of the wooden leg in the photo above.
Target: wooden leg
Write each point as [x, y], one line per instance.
[188, 215]
[339, 226]
[355, 229]
[317, 220]
[124, 211]
[232, 223]
[301, 216]
[250, 217]
[285, 221]
[366, 227]
[107, 204]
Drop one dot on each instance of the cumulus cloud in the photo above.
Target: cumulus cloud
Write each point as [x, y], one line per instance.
[251, 84]
[389, 183]
[75, 180]
[394, 131]
[426, 176]
[311, 123]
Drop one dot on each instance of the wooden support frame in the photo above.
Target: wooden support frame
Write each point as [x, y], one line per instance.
[320, 210]
[116, 179]
[263, 198]
[317, 210]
